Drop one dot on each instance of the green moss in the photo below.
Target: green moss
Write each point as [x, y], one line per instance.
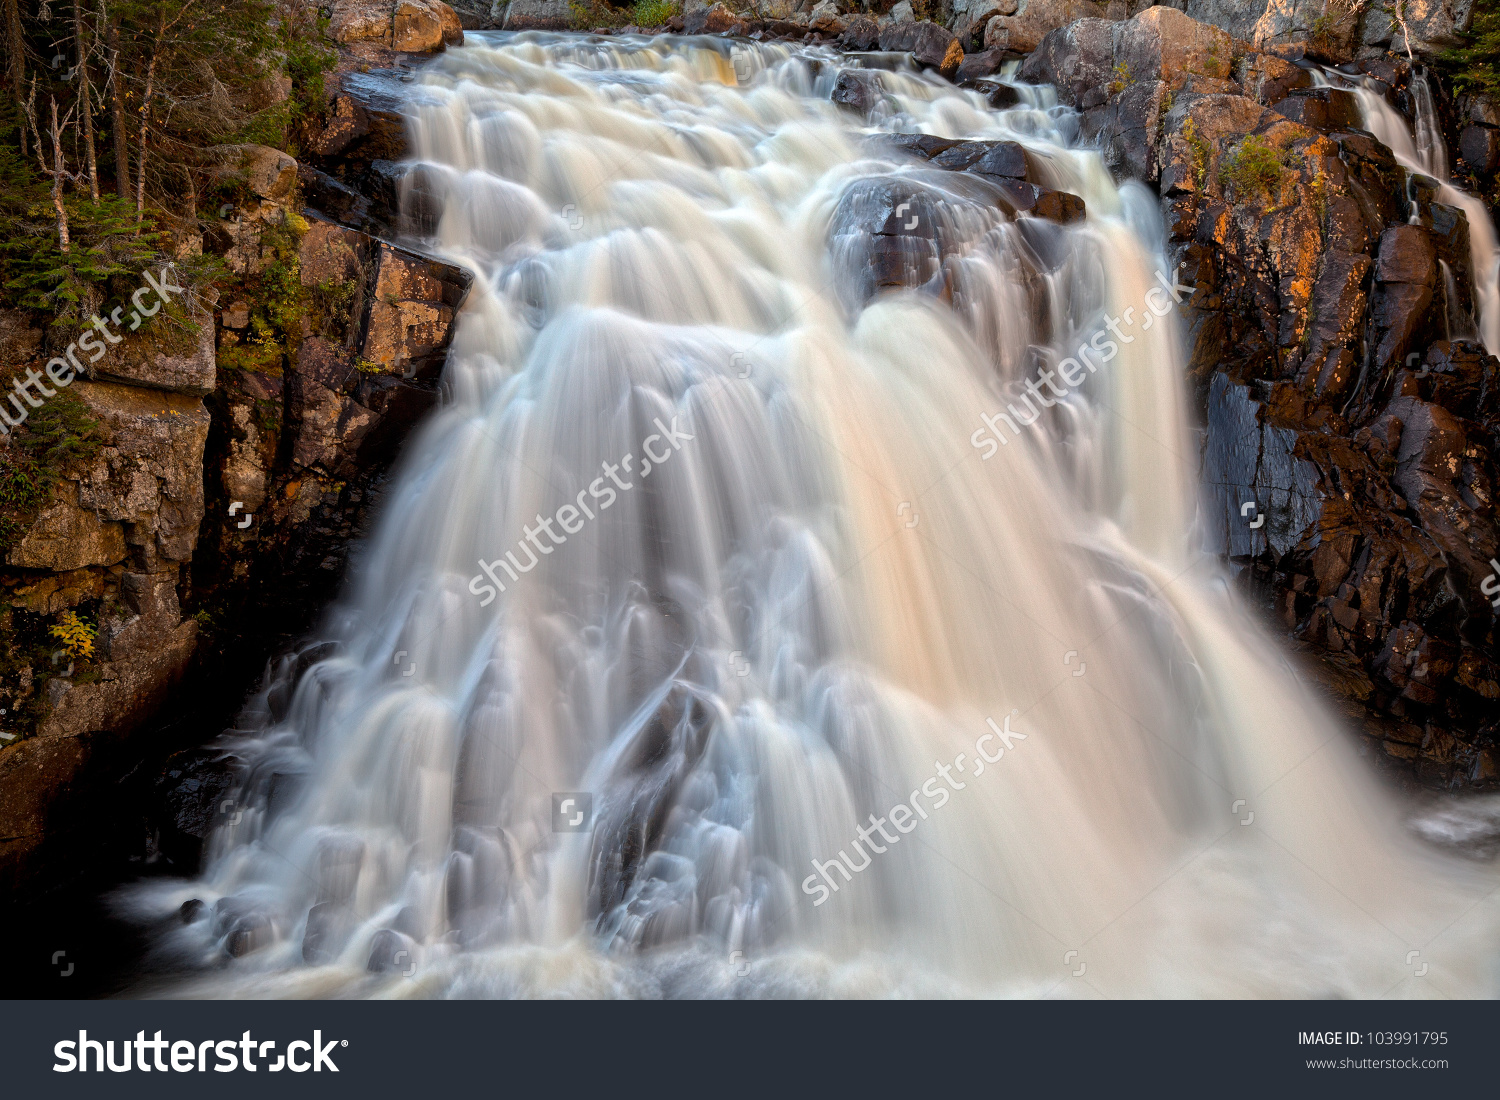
[55, 437]
[1121, 80]
[278, 301]
[654, 13]
[1251, 170]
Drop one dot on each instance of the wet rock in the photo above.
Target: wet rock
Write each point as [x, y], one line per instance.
[977, 65]
[1480, 148]
[1042, 202]
[922, 146]
[391, 951]
[930, 45]
[1077, 59]
[193, 791]
[1247, 461]
[1322, 108]
[998, 94]
[411, 311]
[857, 91]
[333, 200]
[1407, 255]
[989, 158]
[376, 129]
[345, 123]
[347, 407]
[192, 910]
[243, 925]
[1129, 129]
[324, 933]
[632, 812]
[1033, 20]
[1459, 378]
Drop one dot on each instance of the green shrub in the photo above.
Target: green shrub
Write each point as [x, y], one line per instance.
[1251, 170]
[654, 13]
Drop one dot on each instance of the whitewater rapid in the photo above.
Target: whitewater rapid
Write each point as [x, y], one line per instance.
[809, 589]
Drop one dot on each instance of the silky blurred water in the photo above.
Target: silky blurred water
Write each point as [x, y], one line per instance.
[805, 590]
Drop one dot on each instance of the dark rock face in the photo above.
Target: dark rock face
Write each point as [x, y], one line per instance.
[1012, 178]
[1349, 457]
[297, 450]
[977, 65]
[1480, 148]
[857, 91]
[860, 33]
[930, 45]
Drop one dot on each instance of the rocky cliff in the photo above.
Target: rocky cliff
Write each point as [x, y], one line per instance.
[234, 452]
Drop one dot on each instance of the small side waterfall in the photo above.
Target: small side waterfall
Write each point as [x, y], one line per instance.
[1427, 154]
[1431, 149]
[709, 645]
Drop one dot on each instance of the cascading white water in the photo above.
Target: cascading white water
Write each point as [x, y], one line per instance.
[818, 593]
[1428, 154]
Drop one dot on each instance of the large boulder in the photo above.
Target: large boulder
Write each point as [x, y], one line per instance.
[930, 45]
[411, 26]
[1077, 60]
[860, 33]
[1033, 20]
[857, 90]
[715, 19]
[1164, 44]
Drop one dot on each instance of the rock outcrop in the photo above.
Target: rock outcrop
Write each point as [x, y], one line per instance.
[408, 26]
[227, 467]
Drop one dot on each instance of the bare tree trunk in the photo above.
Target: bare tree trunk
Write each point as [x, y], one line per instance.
[85, 94]
[140, 177]
[29, 110]
[15, 47]
[58, 172]
[117, 119]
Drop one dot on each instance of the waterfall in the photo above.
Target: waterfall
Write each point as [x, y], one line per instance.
[1431, 149]
[703, 649]
[1427, 154]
